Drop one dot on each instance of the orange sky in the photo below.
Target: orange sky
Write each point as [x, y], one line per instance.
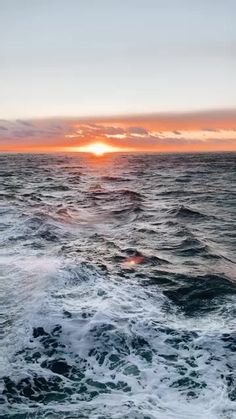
[182, 132]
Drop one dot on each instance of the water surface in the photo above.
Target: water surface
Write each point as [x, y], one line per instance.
[117, 286]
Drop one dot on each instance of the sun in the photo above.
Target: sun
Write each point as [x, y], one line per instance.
[98, 149]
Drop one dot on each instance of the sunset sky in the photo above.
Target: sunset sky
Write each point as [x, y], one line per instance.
[138, 75]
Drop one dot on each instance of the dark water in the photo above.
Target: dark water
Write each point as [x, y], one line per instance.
[117, 288]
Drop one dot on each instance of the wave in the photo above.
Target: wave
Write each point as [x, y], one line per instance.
[115, 179]
[185, 212]
[117, 194]
[127, 209]
[114, 349]
[200, 294]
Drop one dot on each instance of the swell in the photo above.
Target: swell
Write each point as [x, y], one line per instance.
[194, 294]
[183, 211]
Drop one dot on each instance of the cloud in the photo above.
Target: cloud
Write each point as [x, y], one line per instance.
[143, 132]
[210, 129]
[217, 119]
[137, 131]
[26, 123]
[176, 132]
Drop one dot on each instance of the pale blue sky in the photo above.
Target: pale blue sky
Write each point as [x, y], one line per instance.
[102, 57]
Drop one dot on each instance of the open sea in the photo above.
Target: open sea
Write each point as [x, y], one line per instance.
[118, 286]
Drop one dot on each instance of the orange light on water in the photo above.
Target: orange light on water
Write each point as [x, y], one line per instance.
[135, 260]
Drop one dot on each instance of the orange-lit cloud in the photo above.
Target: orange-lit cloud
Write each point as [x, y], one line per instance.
[186, 132]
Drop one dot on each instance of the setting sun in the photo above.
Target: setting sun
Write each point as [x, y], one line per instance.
[98, 149]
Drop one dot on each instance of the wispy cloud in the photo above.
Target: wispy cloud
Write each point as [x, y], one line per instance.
[211, 130]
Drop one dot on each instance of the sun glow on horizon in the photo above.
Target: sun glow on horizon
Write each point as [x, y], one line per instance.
[98, 149]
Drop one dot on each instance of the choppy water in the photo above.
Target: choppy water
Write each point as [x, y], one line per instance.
[117, 286]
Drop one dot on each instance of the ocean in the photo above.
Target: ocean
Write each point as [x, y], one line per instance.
[118, 286]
